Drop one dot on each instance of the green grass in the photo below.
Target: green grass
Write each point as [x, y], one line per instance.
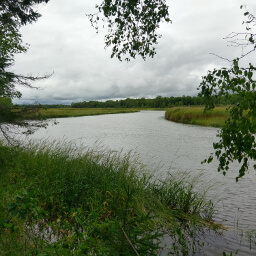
[73, 112]
[197, 116]
[59, 200]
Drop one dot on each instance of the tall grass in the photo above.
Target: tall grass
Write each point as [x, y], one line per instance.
[58, 200]
[73, 112]
[197, 116]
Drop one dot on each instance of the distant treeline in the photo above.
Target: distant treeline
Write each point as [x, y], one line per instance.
[158, 102]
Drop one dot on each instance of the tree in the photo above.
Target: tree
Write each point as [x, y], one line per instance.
[237, 137]
[132, 28]
[13, 15]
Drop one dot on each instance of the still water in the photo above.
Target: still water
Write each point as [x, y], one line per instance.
[167, 147]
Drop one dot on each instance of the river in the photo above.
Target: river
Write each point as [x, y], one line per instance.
[167, 147]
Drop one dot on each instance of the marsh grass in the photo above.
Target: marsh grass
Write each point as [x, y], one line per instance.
[197, 116]
[60, 200]
[73, 112]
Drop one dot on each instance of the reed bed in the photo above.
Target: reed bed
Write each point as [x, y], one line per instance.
[73, 112]
[197, 116]
[56, 199]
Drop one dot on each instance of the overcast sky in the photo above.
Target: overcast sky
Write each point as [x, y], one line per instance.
[62, 41]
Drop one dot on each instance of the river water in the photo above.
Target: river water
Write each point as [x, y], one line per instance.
[170, 147]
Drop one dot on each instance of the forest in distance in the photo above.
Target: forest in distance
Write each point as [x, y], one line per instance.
[157, 102]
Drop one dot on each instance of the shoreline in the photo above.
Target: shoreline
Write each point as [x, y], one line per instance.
[197, 116]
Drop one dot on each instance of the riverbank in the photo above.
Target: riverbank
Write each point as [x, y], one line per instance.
[61, 200]
[197, 116]
[74, 112]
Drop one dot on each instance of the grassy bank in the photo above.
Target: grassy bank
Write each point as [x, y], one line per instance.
[73, 112]
[197, 116]
[58, 200]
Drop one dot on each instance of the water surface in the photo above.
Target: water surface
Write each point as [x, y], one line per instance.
[167, 147]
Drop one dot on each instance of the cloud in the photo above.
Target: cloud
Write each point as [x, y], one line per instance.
[63, 41]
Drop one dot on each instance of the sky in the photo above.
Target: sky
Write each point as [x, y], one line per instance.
[63, 42]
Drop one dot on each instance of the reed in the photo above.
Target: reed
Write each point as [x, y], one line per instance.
[73, 112]
[60, 200]
[197, 116]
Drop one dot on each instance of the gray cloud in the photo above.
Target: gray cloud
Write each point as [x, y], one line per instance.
[64, 42]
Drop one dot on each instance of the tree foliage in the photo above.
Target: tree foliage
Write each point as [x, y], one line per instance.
[132, 26]
[237, 138]
[158, 102]
[13, 15]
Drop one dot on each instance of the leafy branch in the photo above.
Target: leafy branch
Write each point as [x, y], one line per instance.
[132, 26]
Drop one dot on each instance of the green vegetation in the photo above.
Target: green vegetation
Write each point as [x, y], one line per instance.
[58, 200]
[6, 102]
[237, 136]
[14, 15]
[197, 116]
[72, 112]
[126, 36]
[158, 102]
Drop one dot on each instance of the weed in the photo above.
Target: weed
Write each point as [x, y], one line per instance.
[60, 200]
